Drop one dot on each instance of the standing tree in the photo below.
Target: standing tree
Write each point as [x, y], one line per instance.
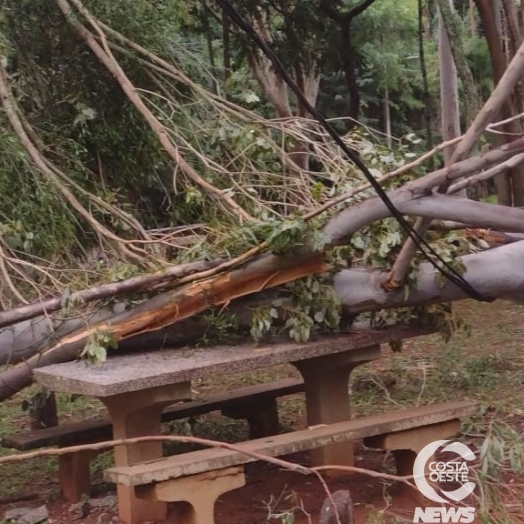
[449, 95]
[510, 186]
[344, 19]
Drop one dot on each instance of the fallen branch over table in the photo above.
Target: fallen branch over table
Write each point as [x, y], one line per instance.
[189, 290]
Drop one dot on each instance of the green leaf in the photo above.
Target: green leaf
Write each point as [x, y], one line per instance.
[319, 316]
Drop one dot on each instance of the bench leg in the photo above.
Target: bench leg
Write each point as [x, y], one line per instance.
[138, 414]
[195, 496]
[75, 474]
[262, 417]
[408, 443]
[326, 381]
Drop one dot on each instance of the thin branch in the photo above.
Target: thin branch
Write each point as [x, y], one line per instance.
[105, 56]
[396, 172]
[298, 468]
[130, 285]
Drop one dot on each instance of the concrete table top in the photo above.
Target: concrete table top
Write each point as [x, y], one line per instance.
[141, 371]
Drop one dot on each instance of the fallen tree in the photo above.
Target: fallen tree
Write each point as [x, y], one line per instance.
[325, 258]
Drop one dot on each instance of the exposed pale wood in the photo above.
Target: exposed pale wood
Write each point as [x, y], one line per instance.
[142, 282]
[210, 459]
[265, 271]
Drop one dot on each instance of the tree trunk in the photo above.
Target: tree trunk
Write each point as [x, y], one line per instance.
[349, 68]
[450, 22]
[387, 117]
[361, 289]
[510, 186]
[425, 83]
[226, 53]
[449, 98]
[265, 271]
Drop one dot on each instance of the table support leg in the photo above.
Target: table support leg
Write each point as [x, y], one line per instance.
[326, 381]
[75, 474]
[137, 415]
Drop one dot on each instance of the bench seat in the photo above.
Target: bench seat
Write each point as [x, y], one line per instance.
[215, 458]
[194, 481]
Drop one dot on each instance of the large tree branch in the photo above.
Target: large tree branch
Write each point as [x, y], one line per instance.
[467, 167]
[495, 102]
[486, 175]
[337, 230]
[132, 285]
[496, 273]
[263, 272]
[435, 207]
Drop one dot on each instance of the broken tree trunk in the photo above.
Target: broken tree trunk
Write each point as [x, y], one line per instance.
[266, 271]
[140, 283]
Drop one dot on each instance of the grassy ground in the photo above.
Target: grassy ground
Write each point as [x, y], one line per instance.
[486, 366]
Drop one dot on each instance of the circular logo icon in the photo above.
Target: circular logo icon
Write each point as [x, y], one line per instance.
[443, 471]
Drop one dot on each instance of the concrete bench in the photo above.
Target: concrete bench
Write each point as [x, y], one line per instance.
[194, 481]
[257, 404]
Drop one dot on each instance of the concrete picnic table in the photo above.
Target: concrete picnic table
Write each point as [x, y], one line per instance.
[137, 387]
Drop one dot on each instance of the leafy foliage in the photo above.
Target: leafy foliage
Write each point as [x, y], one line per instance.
[209, 102]
[95, 350]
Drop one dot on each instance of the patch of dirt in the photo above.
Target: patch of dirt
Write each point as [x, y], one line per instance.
[272, 493]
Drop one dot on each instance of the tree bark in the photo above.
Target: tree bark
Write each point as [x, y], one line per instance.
[361, 289]
[268, 271]
[348, 66]
[510, 188]
[132, 285]
[451, 25]
[265, 271]
[425, 83]
[492, 106]
[449, 98]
